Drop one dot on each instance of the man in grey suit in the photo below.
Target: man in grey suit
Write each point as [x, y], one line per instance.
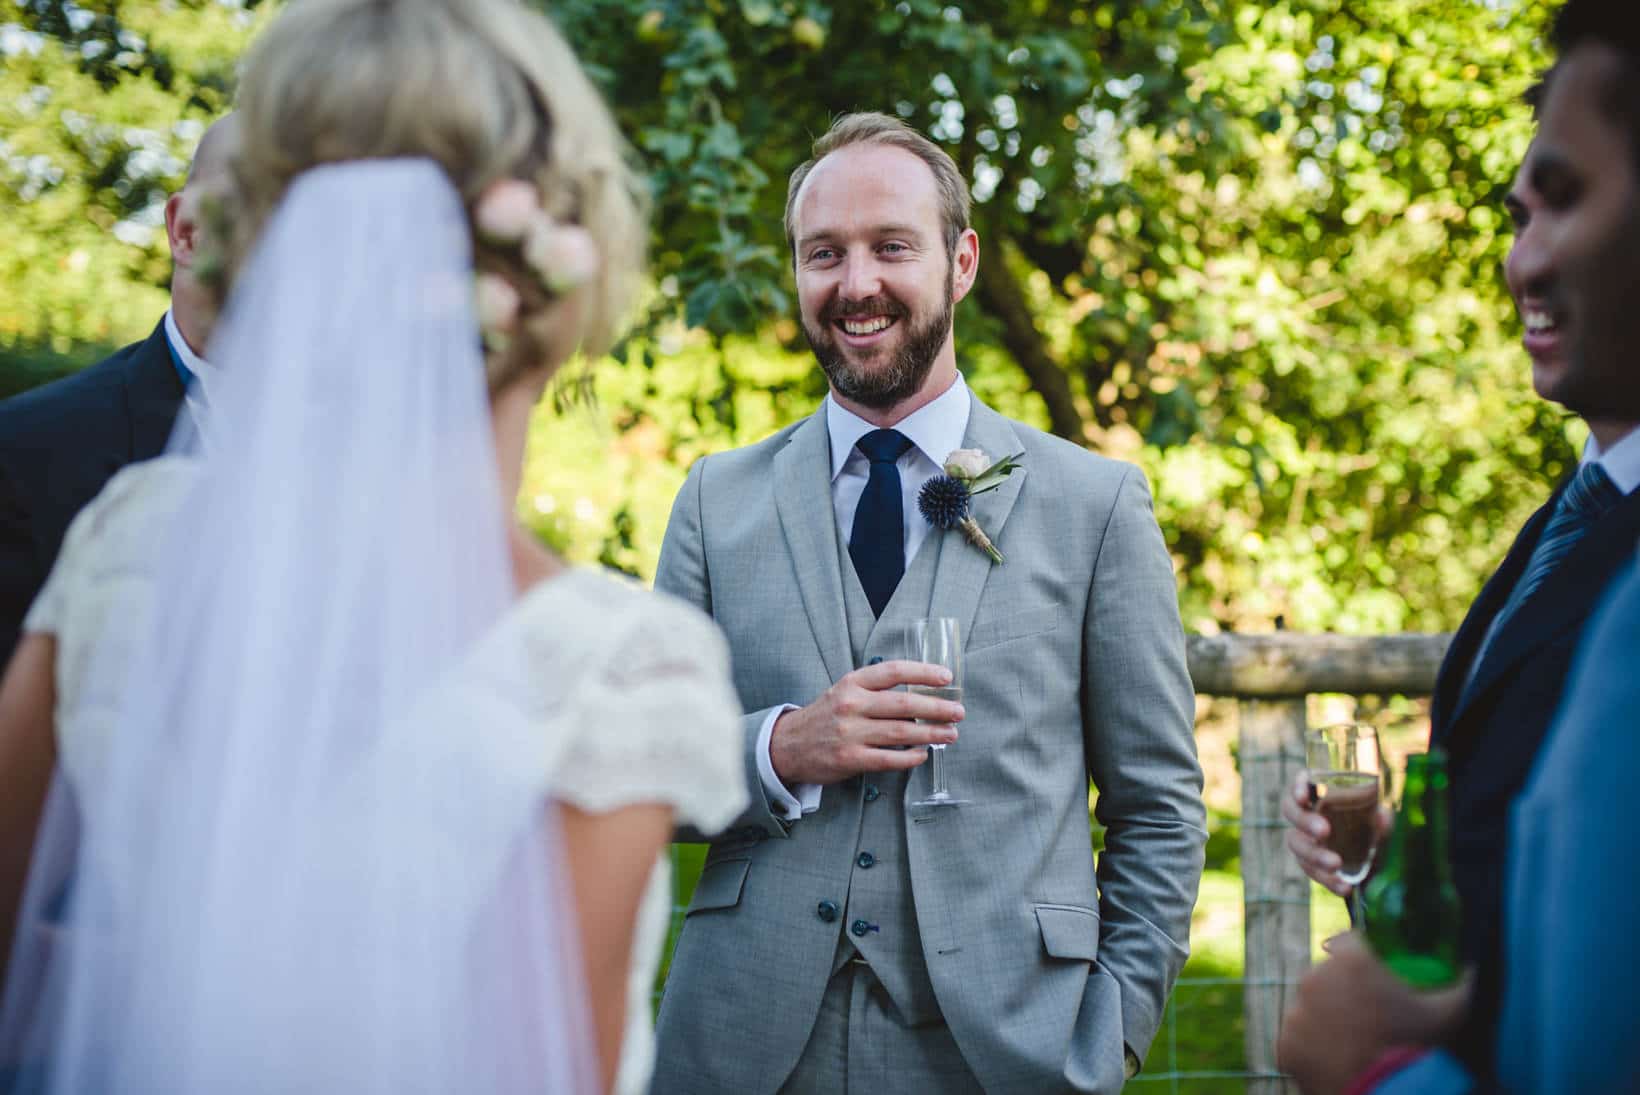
[843, 937]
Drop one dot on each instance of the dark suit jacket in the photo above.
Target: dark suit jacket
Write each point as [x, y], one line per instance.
[59, 444]
[1494, 729]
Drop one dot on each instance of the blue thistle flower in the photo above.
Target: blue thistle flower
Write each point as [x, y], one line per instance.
[943, 501]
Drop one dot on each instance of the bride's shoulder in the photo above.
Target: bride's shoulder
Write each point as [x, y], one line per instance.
[132, 500]
[603, 609]
[110, 540]
[144, 486]
[646, 710]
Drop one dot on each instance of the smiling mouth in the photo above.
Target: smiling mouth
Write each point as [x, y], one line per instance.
[1540, 322]
[865, 325]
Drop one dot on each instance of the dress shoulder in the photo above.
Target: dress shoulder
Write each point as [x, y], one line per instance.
[100, 540]
[645, 705]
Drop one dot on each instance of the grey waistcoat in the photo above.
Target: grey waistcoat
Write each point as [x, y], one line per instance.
[880, 918]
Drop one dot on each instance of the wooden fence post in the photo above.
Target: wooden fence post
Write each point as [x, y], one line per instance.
[1276, 893]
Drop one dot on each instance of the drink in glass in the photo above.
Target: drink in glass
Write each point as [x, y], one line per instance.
[1346, 785]
[937, 642]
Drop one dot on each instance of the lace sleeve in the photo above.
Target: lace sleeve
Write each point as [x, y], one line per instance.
[76, 559]
[657, 720]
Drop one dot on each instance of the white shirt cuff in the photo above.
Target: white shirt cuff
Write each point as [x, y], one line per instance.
[791, 804]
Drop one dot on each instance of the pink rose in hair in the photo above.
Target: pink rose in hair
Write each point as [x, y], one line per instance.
[497, 304]
[562, 255]
[506, 211]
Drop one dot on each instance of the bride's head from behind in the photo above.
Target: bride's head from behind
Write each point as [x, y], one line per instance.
[491, 92]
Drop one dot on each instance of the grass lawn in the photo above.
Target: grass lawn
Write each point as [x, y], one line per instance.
[1205, 1030]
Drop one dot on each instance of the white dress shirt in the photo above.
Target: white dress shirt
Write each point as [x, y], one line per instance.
[935, 430]
[198, 393]
[1621, 461]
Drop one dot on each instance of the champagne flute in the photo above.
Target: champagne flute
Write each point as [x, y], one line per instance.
[1346, 774]
[936, 642]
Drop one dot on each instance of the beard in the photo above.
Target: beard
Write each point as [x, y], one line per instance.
[876, 383]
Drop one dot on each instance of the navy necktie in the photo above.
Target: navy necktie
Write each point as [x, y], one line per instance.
[877, 541]
[1589, 495]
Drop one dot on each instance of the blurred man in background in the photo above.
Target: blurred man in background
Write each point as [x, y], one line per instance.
[1573, 269]
[61, 442]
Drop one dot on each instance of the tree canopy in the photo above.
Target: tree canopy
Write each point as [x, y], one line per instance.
[1251, 246]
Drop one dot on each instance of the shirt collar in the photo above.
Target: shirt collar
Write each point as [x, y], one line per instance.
[935, 428]
[203, 373]
[1621, 461]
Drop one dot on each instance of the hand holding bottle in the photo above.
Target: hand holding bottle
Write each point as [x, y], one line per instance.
[1352, 1009]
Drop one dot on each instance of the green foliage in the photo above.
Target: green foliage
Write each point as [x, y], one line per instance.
[1250, 244]
[100, 107]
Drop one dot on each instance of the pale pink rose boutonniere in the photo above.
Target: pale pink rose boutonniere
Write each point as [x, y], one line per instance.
[945, 500]
[561, 256]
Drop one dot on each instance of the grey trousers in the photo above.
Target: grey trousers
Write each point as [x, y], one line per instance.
[860, 1047]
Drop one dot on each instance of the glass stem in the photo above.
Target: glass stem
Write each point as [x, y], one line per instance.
[936, 758]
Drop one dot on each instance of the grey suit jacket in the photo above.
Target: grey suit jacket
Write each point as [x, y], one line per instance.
[1042, 965]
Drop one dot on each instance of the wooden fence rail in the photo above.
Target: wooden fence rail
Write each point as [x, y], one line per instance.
[1270, 675]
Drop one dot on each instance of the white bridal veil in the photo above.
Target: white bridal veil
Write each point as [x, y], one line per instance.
[319, 857]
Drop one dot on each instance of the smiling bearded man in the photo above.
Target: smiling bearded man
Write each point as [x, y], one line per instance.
[845, 934]
[908, 364]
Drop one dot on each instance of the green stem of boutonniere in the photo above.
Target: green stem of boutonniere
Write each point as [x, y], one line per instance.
[976, 536]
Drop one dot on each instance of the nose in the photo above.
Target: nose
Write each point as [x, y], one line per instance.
[861, 278]
[1528, 269]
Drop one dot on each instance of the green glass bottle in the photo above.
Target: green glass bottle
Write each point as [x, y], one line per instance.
[1411, 914]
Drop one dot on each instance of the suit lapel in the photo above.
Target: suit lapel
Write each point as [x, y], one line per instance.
[154, 392]
[802, 476]
[1455, 673]
[963, 569]
[1565, 599]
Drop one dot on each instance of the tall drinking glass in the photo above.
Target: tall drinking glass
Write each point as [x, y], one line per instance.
[1346, 785]
[936, 642]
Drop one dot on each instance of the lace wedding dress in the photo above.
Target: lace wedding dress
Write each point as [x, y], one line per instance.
[628, 693]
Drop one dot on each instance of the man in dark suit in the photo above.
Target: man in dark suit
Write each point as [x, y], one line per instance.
[61, 442]
[1572, 271]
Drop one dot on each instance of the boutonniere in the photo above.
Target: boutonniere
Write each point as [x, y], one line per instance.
[945, 499]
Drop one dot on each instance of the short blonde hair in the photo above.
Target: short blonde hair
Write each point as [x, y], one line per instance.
[487, 89]
[874, 128]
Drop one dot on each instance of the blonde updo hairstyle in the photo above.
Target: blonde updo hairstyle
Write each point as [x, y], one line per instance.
[486, 88]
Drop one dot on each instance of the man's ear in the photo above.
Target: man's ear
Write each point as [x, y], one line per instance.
[964, 264]
[181, 230]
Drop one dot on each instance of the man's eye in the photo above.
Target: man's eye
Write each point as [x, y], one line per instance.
[1558, 185]
[1561, 192]
[894, 248]
[823, 254]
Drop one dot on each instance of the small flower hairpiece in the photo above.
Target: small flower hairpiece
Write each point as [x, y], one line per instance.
[562, 257]
[945, 500]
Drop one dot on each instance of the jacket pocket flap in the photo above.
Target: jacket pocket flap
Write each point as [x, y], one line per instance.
[719, 886]
[1015, 625]
[1069, 931]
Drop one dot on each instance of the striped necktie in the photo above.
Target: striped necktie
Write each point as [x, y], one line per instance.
[1589, 495]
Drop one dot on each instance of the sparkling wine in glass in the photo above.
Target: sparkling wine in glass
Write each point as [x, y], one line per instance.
[936, 642]
[1346, 785]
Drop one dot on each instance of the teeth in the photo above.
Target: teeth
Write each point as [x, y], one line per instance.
[1538, 321]
[867, 326]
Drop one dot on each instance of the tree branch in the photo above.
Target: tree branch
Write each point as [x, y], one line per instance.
[1002, 296]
